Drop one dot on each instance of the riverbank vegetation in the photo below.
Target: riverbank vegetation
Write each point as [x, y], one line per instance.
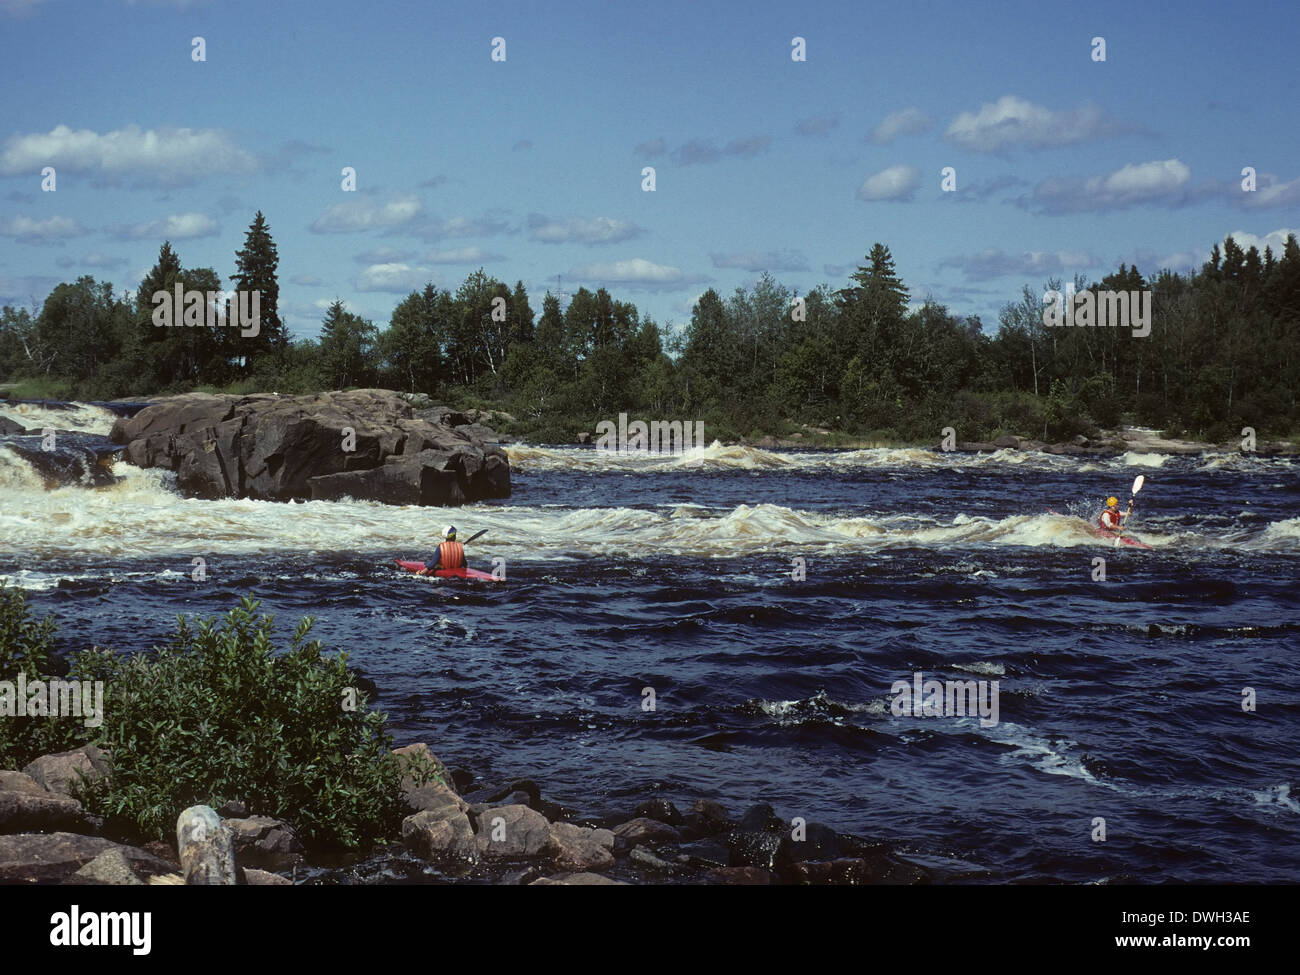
[859, 361]
[216, 715]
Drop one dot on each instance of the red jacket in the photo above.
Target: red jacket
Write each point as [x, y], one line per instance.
[1110, 520]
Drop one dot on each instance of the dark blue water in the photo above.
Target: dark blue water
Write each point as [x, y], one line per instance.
[1118, 700]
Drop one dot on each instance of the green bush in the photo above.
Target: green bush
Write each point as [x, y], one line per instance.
[216, 715]
[27, 647]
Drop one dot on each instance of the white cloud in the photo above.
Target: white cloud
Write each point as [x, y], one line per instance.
[994, 263]
[894, 183]
[181, 226]
[1271, 192]
[172, 155]
[597, 230]
[367, 213]
[485, 226]
[1164, 182]
[463, 255]
[398, 278]
[1012, 122]
[635, 273]
[1145, 179]
[95, 260]
[909, 121]
[705, 151]
[43, 231]
[1276, 240]
[383, 255]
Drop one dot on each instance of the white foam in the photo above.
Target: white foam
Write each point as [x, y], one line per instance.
[81, 417]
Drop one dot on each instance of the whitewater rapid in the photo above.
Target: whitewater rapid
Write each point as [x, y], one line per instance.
[142, 515]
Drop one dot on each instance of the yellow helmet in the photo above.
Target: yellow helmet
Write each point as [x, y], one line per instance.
[1112, 502]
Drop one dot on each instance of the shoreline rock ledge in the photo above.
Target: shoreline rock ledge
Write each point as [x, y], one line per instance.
[366, 444]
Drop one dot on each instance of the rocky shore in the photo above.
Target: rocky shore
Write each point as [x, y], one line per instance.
[456, 831]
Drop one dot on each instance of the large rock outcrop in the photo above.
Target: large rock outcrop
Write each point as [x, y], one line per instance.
[367, 444]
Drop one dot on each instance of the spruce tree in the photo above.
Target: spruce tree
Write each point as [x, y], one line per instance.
[255, 270]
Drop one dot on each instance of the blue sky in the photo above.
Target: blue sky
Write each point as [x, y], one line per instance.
[531, 167]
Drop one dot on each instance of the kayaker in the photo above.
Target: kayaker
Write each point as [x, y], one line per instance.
[1111, 519]
[451, 554]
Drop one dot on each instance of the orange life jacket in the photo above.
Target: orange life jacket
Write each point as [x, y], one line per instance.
[1110, 520]
[451, 555]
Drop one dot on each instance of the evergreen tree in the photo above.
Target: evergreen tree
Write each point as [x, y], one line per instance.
[347, 346]
[255, 270]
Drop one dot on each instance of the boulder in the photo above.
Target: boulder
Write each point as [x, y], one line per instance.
[579, 848]
[853, 871]
[418, 480]
[646, 860]
[441, 836]
[324, 446]
[750, 848]
[642, 830]
[45, 858]
[513, 831]
[660, 809]
[518, 878]
[438, 799]
[111, 868]
[705, 854]
[253, 877]
[578, 880]
[11, 781]
[706, 818]
[419, 758]
[761, 818]
[64, 772]
[819, 843]
[23, 812]
[263, 841]
[495, 795]
[8, 426]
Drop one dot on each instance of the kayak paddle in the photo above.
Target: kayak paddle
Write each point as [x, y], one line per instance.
[484, 532]
[1137, 486]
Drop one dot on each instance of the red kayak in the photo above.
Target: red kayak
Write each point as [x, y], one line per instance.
[449, 573]
[1109, 536]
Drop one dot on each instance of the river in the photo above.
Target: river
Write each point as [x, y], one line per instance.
[770, 600]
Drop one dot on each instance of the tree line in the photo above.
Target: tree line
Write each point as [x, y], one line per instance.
[1223, 352]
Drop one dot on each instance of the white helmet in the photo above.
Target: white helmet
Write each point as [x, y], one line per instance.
[449, 532]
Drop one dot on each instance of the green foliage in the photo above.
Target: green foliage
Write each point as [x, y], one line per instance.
[1223, 349]
[347, 344]
[256, 264]
[217, 715]
[27, 647]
